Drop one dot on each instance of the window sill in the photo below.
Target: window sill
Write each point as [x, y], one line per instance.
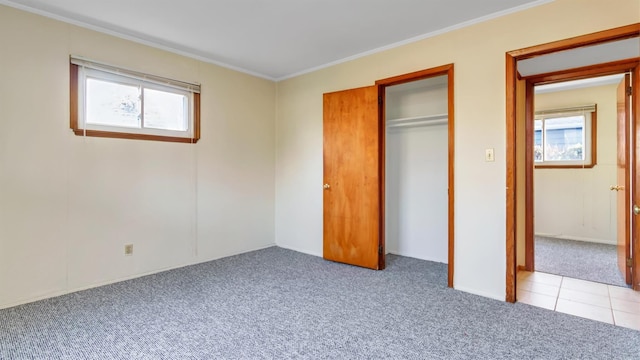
[122, 135]
[586, 166]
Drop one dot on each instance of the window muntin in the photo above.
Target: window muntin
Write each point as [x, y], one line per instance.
[564, 139]
[132, 105]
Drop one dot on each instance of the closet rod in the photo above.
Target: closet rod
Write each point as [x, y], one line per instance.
[418, 123]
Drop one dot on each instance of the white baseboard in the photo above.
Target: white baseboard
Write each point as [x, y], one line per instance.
[577, 238]
[418, 257]
[304, 251]
[480, 293]
[234, 253]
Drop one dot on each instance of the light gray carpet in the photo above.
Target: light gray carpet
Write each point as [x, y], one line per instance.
[578, 259]
[280, 304]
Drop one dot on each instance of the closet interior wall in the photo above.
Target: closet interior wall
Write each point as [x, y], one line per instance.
[416, 178]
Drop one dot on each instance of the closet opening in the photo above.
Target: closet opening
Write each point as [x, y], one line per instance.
[416, 128]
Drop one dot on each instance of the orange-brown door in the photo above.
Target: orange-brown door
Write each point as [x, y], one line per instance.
[624, 184]
[351, 178]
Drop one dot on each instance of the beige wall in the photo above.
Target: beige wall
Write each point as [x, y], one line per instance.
[68, 204]
[478, 53]
[577, 203]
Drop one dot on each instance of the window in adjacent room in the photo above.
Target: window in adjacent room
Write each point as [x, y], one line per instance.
[565, 137]
[107, 101]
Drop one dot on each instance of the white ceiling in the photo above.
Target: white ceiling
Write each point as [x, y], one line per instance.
[273, 39]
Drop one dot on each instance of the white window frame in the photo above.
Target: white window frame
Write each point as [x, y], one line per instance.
[588, 140]
[86, 69]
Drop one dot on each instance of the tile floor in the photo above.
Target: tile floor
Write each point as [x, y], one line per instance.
[611, 304]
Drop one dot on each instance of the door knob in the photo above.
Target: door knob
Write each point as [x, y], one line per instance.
[616, 187]
[636, 209]
[326, 186]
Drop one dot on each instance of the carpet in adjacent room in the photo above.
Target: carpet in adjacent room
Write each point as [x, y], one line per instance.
[578, 259]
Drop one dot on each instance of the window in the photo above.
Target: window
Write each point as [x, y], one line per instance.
[565, 138]
[112, 102]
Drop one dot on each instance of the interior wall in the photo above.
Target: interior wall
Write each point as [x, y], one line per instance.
[416, 178]
[478, 52]
[68, 204]
[577, 204]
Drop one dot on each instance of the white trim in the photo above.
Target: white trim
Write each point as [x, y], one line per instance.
[420, 37]
[172, 47]
[125, 278]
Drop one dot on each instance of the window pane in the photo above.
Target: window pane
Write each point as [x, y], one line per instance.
[564, 138]
[165, 110]
[114, 104]
[537, 140]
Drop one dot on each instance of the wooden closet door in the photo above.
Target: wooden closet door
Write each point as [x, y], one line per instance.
[351, 198]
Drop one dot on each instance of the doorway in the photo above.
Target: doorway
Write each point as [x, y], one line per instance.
[575, 186]
[520, 127]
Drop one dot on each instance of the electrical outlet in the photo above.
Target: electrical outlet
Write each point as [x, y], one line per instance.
[128, 249]
[488, 155]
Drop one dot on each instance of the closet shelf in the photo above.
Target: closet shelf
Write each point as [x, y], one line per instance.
[437, 119]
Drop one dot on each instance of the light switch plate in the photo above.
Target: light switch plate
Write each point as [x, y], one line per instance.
[488, 155]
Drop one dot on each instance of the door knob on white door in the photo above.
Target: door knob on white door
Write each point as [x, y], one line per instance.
[616, 187]
[326, 186]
